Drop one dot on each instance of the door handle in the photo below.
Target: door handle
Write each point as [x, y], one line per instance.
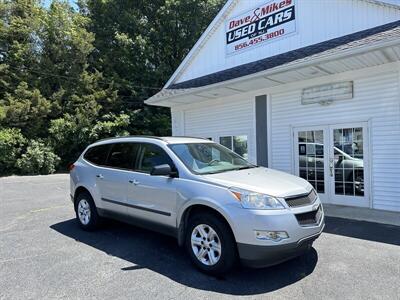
[134, 181]
[331, 166]
[100, 176]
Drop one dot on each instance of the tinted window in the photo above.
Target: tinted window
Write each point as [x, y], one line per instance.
[123, 155]
[151, 156]
[97, 155]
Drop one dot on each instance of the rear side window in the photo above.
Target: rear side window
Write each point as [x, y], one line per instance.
[151, 156]
[123, 155]
[97, 155]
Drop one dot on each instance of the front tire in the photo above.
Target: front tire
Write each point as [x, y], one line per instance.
[210, 244]
[86, 212]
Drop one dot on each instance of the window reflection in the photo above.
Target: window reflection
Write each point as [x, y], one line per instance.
[348, 161]
[236, 143]
[226, 141]
[348, 147]
[311, 158]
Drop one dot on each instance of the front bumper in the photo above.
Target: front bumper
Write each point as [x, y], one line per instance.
[259, 256]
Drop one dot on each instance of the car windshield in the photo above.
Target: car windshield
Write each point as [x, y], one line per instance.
[209, 158]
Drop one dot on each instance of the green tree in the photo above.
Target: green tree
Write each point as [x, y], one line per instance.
[25, 109]
[68, 78]
[139, 44]
[19, 29]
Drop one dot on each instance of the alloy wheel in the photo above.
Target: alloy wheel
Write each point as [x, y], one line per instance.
[206, 244]
[84, 211]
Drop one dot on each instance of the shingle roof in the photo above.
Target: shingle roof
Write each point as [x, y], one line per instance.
[379, 33]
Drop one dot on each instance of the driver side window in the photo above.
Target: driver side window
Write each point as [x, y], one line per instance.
[152, 155]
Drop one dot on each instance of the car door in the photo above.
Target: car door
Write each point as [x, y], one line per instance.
[152, 198]
[113, 179]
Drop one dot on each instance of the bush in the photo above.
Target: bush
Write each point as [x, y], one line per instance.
[38, 159]
[70, 135]
[11, 146]
[110, 125]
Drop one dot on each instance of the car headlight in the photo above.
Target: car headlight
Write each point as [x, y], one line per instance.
[253, 200]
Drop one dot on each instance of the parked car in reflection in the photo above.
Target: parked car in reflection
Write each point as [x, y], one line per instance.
[347, 169]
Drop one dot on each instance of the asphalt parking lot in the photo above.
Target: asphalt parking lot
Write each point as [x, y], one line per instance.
[44, 255]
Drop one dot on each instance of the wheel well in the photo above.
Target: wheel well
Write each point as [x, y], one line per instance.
[78, 191]
[196, 209]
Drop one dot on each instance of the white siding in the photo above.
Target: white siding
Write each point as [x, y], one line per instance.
[317, 21]
[376, 100]
[225, 117]
[177, 122]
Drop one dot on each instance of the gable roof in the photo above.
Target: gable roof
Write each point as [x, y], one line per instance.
[355, 39]
[227, 8]
[388, 3]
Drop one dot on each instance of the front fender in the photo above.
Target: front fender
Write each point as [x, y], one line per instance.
[223, 206]
[208, 202]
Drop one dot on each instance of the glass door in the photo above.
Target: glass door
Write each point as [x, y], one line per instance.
[334, 159]
[348, 164]
[311, 158]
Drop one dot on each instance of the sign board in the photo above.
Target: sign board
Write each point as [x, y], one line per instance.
[327, 93]
[260, 25]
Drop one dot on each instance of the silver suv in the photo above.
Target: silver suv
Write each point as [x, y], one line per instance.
[219, 206]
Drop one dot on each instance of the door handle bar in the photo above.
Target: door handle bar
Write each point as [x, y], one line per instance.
[331, 166]
[100, 176]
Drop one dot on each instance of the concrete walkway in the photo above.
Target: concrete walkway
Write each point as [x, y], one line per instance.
[363, 214]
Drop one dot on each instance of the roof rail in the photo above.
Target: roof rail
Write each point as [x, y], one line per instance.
[132, 136]
[188, 136]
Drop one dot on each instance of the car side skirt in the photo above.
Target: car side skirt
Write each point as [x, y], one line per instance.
[145, 224]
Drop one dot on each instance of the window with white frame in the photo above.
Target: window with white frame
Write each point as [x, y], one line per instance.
[237, 143]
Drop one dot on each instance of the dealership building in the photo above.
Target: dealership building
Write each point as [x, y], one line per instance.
[307, 87]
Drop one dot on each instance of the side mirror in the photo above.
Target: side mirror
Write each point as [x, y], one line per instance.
[338, 158]
[162, 170]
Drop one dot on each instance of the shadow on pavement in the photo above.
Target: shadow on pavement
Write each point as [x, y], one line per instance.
[364, 230]
[145, 249]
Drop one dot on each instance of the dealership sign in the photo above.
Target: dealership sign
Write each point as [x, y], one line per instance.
[262, 24]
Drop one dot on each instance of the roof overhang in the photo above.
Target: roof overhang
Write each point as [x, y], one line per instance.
[217, 21]
[322, 65]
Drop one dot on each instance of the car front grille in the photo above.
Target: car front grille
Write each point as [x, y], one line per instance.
[302, 200]
[309, 218]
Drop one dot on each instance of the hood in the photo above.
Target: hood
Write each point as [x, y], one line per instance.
[262, 180]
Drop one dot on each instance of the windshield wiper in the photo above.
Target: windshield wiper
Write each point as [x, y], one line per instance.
[229, 170]
[216, 172]
[246, 167]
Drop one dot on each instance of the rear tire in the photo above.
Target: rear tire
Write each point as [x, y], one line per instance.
[210, 244]
[86, 212]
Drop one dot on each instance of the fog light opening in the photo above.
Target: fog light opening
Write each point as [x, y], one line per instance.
[275, 236]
